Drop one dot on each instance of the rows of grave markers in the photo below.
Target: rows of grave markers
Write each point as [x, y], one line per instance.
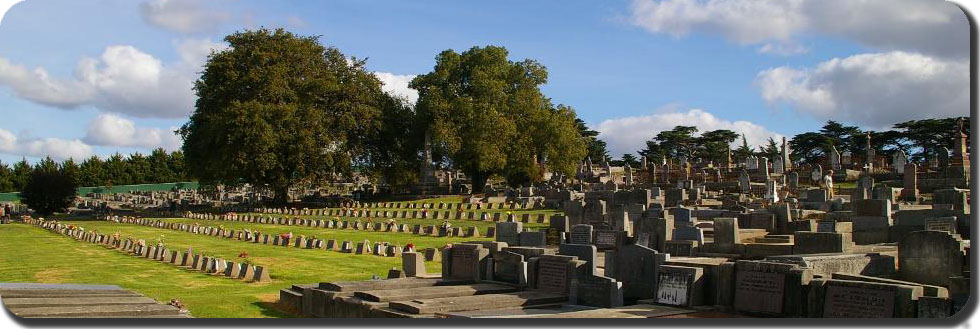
[388, 226]
[365, 247]
[159, 252]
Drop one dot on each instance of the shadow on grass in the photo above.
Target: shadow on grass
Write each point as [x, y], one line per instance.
[274, 310]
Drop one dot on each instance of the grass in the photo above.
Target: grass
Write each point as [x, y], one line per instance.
[31, 254]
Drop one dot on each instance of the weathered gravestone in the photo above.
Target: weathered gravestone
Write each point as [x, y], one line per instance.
[725, 234]
[508, 232]
[771, 288]
[583, 252]
[608, 239]
[532, 239]
[581, 234]
[856, 299]
[510, 267]
[465, 262]
[930, 257]
[554, 273]
[680, 285]
[636, 267]
[596, 291]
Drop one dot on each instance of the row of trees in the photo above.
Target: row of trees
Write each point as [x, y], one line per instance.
[157, 167]
[275, 110]
[918, 139]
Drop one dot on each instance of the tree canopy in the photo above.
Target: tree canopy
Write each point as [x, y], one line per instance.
[276, 109]
[49, 189]
[486, 115]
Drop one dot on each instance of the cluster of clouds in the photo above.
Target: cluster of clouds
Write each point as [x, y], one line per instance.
[916, 67]
[125, 82]
[933, 27]
[56, 148]
[629, 134]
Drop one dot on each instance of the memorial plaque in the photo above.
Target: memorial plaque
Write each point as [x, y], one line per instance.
[581, 234]
[827, 226]
[853, 302]
[944, 224]
[673, 288]
[461, 262]
[607, 239]
[759, 292]
[552, 274]
[643, 239]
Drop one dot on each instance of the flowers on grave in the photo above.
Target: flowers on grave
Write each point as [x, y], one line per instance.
[410, 247]
[161, 239]
[244, 256]
[176, 303]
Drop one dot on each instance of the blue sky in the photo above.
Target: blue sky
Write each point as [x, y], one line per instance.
[81, 78]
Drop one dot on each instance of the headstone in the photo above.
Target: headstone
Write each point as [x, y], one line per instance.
[930, 257]
[636, 267]
[508, 232]
[680, 285]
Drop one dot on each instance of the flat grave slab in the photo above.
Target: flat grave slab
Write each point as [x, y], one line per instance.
[389, 295]
[85, 301]
[468, 303]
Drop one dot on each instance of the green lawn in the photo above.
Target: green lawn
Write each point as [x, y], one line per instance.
[340, 235]
[31, 254]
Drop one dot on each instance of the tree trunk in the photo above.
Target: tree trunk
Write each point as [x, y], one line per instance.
[281, 194]
[479, 181]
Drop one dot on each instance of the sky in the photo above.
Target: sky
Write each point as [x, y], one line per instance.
[97, 77]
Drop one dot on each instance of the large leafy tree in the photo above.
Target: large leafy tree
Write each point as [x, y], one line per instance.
[672, 143]
[844, 138]
[923, 138]
[392, 155]
[714, 145]
[487, 116]
[49, 189]
[276, 109]
[595, 147]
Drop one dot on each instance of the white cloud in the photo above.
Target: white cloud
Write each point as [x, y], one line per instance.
[934, 27]
[183, 16]
[783, 48]
[5, 6]
[194, 52]
[876, 90]
[38, 86]
[112, 130]
[56, 148]
[397, 85]
[122, 80]
[629, 134]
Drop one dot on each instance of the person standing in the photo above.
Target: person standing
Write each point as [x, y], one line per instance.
[828, 182]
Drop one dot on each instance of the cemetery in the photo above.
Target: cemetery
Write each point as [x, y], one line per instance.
[668, 240]
[316, 194]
